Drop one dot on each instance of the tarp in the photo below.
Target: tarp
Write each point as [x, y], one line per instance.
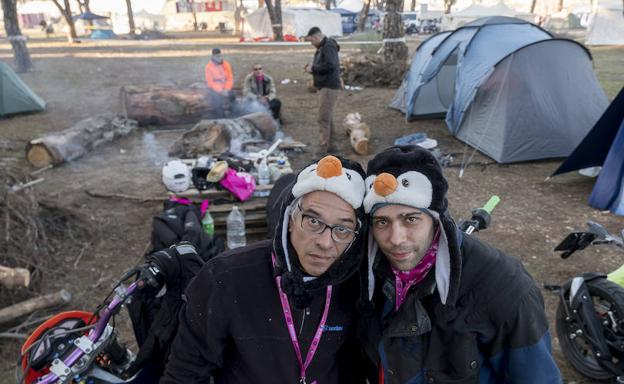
[15, 96]
[606, 23]
[603, 146]
[506, 88]
[295, 21]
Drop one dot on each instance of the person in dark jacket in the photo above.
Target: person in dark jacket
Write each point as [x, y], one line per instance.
[282, 311]
[443, 306]
[325, 70]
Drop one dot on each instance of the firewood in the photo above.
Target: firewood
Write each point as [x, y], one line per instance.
[78, 140]
[25, 307]
[168, 105]
[13, 277]
[358, 132]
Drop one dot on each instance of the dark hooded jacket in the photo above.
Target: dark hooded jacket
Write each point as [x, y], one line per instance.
[478, 316]
[232, 326]
[326, 65]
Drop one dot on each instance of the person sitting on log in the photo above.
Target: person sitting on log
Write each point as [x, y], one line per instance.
[261, 87]
[219, 79]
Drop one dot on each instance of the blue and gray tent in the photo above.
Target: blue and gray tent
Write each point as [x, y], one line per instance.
[506, 87]
[15, 96]
[603, 146]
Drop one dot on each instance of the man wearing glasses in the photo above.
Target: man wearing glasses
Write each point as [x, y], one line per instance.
[282, 310]
[261, 87]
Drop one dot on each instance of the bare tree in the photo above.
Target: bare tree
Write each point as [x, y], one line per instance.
[67, 15]
[130, 16]
[394, 49]
[14, 34]
[275, 14]
[85, 8]
[363, 16]
[413, 6]
[194, 13]
[448, 4]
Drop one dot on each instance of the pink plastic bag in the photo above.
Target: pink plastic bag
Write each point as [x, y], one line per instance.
[241, 184]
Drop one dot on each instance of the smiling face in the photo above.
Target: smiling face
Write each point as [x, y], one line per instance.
[403, 234]
[317, 252]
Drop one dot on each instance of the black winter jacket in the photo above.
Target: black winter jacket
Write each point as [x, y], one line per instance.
[495, 331]
[326, 65]
[232, 327]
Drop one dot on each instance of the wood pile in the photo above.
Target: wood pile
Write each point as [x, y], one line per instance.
[83, 137]
[217, 136]
[371, 70]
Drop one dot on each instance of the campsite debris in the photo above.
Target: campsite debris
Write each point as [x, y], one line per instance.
[13, 277]
[353, 88]
[220, 135]
[371, 70]
[285, 81]
[167, 105]
[20, 186]
[41, 170]
[78, 140]
[358, 132]
[41, 302]
[418, 138]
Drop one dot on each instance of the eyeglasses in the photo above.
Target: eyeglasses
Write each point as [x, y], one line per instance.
[316, 226]
[258, 69]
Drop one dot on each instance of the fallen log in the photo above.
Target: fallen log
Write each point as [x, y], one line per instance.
[78, 140]
[25, 307]
[13, 277]
[358, 132]
[168, 105]
[220, 135]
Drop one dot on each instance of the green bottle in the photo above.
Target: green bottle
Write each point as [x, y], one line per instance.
[208, 223]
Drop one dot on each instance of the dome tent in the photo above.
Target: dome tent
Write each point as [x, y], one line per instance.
[506, 87]
[16, 97]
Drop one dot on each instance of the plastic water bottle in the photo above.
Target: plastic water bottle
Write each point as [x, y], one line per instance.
[208, 223]
[236, 229]
[264, 174]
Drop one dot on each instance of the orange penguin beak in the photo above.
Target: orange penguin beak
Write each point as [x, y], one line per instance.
[329, 166]
[385, 184]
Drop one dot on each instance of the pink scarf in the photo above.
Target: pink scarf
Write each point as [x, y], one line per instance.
[406, 279]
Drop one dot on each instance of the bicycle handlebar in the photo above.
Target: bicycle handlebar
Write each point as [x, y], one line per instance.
[491, 204]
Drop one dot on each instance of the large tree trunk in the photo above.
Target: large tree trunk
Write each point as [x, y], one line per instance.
[413, 6]
[394, 49]
[194, 14]
[358, 132]
[168, 105]
[14, 34]
[361, 24]
[275, 14]
[533, 4]
[130, 16]
[67, 15]
[215, 136]
[78, 140]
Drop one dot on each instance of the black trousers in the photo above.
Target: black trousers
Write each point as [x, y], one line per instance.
[275, 106]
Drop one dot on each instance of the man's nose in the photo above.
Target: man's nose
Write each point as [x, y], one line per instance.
[397, 234]
[324, 239]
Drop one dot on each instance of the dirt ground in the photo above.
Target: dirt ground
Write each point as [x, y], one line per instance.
[80, 80]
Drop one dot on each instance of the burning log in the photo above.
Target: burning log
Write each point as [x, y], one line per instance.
[15, 311]
[358, 133]
[78, 140]
[169, 105]
[13, 277]
[217, 136]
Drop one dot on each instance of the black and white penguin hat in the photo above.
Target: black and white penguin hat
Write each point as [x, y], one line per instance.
[411, 176]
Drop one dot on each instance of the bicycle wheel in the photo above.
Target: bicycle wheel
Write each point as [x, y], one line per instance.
[608, 299]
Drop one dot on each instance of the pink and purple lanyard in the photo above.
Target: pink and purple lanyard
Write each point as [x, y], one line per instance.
[293, 334]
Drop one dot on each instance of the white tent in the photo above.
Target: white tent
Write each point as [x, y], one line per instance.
[606, 23]
[295, 21]
[351, 5]
[475, 11]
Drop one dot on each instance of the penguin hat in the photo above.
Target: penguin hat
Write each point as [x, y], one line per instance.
[412, 176]
[345, 179]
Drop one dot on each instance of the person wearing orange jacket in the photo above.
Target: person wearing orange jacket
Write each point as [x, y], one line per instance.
[219, 76]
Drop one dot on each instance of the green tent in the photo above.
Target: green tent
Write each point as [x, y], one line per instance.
[15, 96]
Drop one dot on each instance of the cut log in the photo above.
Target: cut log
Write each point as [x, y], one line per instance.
[169, 105]
[220, 135]
[358, 132]
[78, 140]
[25, 307]
[13, 277]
